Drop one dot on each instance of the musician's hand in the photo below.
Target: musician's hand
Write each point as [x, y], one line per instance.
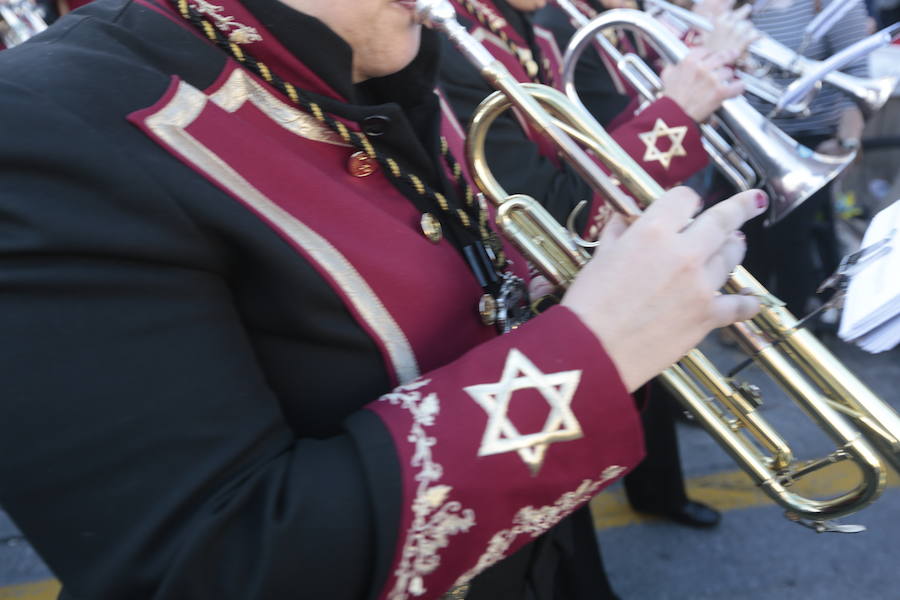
[702, 81]
[732, 30]
[650, 292]
[710, 9]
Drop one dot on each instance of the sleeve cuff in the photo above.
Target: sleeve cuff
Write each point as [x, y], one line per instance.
[500, 445]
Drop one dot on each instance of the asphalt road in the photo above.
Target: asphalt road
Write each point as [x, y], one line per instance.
[756, 553]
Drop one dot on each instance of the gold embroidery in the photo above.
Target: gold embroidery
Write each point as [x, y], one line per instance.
[170, 123]
[237, 32]
[535, 521]
[501, 435]
[676, 137]
[435, 517]
[240, 88]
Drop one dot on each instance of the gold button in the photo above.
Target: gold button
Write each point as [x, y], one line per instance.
[487, 308]
[360, 165]
[431, 227]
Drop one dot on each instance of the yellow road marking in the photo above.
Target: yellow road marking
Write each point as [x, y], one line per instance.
[39, 590]
[728, 491]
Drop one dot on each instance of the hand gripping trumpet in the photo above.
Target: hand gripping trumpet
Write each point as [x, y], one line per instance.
[818, 382]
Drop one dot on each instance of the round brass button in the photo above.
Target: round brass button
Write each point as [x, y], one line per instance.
[360, 165]
[431, 227]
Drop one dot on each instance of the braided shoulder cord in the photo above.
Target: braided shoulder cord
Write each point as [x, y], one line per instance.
[472, 217]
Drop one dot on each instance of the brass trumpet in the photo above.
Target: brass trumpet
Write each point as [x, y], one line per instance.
[819, 383]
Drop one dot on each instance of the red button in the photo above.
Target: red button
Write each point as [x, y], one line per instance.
[360, 165]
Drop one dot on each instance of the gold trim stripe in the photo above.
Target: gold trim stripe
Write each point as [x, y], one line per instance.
[170, 123]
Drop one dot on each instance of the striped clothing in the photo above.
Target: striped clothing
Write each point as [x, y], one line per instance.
[786, 26]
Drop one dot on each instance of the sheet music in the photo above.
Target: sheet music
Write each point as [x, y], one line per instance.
[871, 317]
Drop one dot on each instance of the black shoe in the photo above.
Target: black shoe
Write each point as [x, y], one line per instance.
[691, 513]
[694, 514]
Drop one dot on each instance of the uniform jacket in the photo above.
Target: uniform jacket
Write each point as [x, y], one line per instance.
[661, 138]
[233, 365]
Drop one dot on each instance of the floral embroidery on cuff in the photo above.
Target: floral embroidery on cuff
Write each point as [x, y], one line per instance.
[535, 521]
[435, 517]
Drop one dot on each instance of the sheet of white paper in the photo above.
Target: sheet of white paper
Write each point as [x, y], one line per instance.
[873, 297]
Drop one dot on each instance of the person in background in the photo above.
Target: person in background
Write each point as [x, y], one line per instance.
[794, 256]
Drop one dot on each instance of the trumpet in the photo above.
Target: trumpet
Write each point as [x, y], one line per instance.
[869, 93]
[760, 155]
[20, 20]
[833, 397]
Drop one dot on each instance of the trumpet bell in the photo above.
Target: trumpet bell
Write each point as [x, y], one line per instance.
[793, 172]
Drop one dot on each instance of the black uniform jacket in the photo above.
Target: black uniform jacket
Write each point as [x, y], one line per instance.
[206, 300]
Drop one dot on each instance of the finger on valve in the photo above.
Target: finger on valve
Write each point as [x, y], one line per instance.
[651, 294]
[714, 226]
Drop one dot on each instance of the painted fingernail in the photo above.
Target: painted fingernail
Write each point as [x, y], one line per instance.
[762, 200]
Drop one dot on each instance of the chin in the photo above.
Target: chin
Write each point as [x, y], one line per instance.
[403, 57]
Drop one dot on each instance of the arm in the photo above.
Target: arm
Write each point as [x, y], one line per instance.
[166, 466]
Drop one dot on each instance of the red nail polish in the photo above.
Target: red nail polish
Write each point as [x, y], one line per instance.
[762, 200]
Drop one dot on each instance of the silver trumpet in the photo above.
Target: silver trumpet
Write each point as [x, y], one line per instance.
[20, 20]
[869, 93]
[788, 170]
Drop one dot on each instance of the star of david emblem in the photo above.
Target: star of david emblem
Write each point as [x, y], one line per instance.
[501, 434]
[676, 137]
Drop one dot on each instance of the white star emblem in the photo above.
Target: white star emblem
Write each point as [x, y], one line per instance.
[676, 137]
[501, 435]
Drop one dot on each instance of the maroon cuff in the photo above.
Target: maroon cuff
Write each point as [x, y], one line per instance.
[500, 445]
[665, 141]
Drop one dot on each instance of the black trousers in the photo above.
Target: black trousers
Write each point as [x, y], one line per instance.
[657, 483]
